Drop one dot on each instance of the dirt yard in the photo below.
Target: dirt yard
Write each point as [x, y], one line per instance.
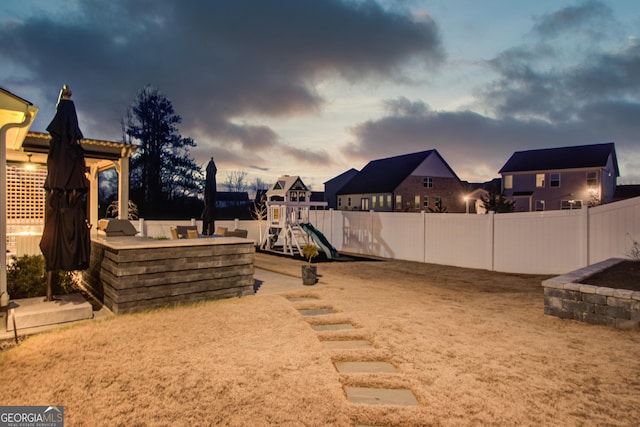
[473, 346]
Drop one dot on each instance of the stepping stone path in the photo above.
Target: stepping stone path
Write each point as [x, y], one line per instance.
[332, 326]
[380, 396]
[359, 367]
[358, 395]
[316, 312]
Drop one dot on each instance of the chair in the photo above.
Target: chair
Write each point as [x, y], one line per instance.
[237, 233]
[221, 231]
[183, 230]
[192, 234]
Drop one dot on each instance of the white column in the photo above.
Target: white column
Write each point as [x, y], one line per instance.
[123, 188]
[93, 199]
[26, 122]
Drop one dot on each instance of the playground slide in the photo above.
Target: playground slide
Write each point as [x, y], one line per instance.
[320, 240]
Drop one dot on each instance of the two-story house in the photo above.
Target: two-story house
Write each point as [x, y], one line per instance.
[561, 178]
[406, 183]
[332, 186]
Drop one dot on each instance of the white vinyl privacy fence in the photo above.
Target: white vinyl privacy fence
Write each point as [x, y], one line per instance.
[551, 242]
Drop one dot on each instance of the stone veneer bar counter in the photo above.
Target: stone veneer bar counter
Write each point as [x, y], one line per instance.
[131, 274]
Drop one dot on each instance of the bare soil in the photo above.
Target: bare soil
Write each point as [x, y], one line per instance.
[473, 346]
[624, 275]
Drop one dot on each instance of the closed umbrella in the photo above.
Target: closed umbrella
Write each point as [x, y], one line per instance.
[208, 215]
[65, 243]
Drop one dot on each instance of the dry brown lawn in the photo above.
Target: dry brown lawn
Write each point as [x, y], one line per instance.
[473, 346]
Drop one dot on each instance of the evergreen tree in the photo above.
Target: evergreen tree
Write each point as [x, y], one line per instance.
[496, 201]
[161, 168]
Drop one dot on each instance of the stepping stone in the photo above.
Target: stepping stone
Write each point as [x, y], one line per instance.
[316, 311]
[297, 299]
[332, 327]
[381, 396]
[346, 345]
[362, 367]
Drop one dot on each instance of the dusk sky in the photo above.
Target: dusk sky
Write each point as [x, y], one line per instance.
[316, 87]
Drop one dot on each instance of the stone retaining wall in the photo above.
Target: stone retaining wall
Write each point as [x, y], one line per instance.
[567, 298]
[131, 274]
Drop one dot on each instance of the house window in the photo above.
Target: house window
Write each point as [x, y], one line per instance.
[364, 204]
[389, 201]
[398, 201]
[349, 201]
[374, 201]
[427, 182]
[570, 204]
[554, 180]
[339, 201]
[508, 182]
[438, 202]
[540, 180]
[539, 205]
[425, 201]
[416, 202]
[592, 179]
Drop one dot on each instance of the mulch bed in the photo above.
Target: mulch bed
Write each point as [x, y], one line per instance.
[624, 275]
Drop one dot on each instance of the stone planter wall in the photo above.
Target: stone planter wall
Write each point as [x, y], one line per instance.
[567, 298]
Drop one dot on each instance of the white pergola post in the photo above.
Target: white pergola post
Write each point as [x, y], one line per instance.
[26, 122]
[93, 198]
[123, 185]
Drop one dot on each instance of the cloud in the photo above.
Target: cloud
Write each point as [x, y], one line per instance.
[219, 62]
[591, 19]
[544, 95]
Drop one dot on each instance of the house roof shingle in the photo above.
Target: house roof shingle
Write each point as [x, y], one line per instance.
[384, 175]
[579, 156]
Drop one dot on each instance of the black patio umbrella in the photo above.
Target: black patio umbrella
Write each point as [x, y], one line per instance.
[65, 243]
[208, 215]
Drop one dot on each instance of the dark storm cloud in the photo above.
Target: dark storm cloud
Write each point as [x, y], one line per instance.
[215, 60]
[537, 100]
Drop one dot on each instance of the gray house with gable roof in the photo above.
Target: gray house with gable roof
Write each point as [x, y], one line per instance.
[561, 178]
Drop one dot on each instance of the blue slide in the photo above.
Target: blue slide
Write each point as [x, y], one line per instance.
[320, 240]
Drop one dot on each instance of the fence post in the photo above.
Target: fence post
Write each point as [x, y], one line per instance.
[584, 236]
[424, 236]
[491, 238]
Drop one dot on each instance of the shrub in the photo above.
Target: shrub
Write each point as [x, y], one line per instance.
[26, 278]
[634, 251]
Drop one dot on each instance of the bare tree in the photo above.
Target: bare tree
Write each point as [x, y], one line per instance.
[236, 181]
[257, 186]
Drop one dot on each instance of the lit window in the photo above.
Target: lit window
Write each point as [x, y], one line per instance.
[416, 202]
[540, 180]
[508, 181]
[374, 201]
[554, 180]
[398, 201]
[592, 179]
[389, 201]
[427, 182]
[570, 204]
